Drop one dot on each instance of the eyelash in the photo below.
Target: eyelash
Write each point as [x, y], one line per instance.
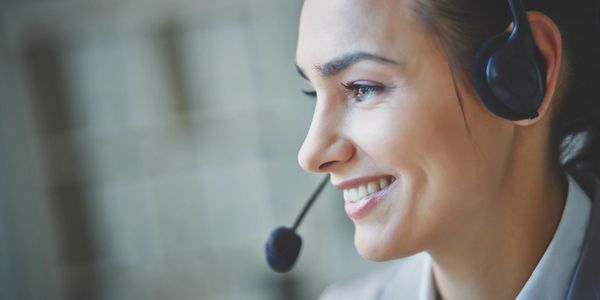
[312, 94]
[354, 89]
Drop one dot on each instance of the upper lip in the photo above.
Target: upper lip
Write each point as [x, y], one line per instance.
[348, 184]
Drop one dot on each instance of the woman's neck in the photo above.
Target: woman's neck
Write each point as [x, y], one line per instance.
[496, 254]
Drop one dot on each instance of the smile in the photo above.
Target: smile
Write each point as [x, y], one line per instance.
[356, 193]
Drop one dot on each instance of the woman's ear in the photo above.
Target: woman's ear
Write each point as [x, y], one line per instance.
[548, 40]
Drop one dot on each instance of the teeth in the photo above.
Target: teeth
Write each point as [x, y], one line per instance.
[383, 182]
[362, 191]
[357, 193]
[373, 187]
[353, 194]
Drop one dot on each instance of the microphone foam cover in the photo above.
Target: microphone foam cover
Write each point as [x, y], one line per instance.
[282, 249]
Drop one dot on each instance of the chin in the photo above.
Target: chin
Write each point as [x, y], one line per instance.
[371, 249]
[379, 249]
[371, 256]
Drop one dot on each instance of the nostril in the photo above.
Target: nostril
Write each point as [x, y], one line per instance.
[326, 165]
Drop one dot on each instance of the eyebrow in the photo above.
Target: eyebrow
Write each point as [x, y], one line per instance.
[343, 62]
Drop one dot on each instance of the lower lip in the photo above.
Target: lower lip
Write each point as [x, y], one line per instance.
[362, 207]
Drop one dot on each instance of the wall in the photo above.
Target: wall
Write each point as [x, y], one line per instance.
[148, 148]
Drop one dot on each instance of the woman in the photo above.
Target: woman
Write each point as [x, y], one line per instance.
[477, 203]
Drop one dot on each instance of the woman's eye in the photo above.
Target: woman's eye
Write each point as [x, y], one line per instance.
[361, 92]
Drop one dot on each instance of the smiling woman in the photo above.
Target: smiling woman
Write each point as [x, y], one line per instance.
[446, 146]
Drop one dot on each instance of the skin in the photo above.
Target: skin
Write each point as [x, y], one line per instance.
[475, 191]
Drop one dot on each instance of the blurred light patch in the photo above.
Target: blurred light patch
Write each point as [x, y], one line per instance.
[147, 148]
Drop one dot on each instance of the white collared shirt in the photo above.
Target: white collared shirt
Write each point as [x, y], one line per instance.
[412, 278]
[551, 277]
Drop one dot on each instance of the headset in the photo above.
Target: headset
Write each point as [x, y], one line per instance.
[509, 76]
[509, 72]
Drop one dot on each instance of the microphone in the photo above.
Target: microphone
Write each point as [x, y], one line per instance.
[283, 245]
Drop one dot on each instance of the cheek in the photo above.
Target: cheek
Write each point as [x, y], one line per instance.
[426, 133]
[425, 141]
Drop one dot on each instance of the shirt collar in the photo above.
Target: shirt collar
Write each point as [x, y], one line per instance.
[551, 277]
[427, 289]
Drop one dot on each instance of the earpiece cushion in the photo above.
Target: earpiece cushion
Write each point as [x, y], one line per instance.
[518, 86]
[480, 81]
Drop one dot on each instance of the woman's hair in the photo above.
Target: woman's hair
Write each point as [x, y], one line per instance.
[463, 25]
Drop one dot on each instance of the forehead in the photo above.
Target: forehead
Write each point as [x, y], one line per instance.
[329, 28]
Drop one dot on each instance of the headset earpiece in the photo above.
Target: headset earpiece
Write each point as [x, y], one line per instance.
[509, 72]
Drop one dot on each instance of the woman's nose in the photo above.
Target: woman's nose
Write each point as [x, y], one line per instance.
[324, 148]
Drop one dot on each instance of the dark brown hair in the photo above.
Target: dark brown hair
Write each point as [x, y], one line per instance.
[463, 25]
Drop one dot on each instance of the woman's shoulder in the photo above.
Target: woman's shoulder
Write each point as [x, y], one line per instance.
[400, 280]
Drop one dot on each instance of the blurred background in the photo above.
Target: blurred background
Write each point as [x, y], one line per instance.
[148, 147]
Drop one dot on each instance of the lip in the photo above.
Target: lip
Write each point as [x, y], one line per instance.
[362, 207]
[348, 184]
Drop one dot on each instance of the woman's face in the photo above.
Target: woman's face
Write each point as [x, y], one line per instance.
[387, 108]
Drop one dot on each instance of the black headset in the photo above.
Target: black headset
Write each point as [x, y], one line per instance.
[509, 72]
